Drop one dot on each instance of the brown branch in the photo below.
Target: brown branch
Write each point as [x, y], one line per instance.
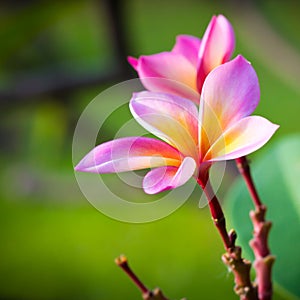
[233, 256]
[263, 259]
[147, 294]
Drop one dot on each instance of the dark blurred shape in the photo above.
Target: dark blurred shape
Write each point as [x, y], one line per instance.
[26, 85]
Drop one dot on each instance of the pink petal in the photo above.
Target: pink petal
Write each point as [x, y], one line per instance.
[243, 138]
[188, 46]
[134, 62]
[126, 154]
[216, 47]
[230, 92]
[167, 178]
[167, 72]
[169, 117]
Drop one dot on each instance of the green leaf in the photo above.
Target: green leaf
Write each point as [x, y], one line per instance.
[276, 175]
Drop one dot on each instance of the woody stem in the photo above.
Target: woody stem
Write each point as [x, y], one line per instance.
[263, 259]
[233, 256]
[244, 169]
[147, 294]
[122, 262]
[216, 211]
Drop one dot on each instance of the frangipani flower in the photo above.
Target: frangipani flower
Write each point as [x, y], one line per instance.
[189, 62]
[191, 140]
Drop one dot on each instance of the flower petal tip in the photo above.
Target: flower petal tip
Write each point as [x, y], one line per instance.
[222, 18]
[240, 58]
[212, 20]
[80, 167]
[133, 61]
[276, 127]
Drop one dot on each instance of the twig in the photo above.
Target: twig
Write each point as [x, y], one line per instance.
[233, 257]
[147, 294]
[263, 259]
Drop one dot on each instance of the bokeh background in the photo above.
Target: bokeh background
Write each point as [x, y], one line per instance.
[55, 57]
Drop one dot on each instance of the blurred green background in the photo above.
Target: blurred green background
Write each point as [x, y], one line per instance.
[55, 58]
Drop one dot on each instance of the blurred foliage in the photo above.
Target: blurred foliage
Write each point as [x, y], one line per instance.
[284, 17]
[52, 35]
[55, 245]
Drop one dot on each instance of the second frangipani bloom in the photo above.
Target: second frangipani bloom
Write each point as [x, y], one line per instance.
[189, 62]
[190, 140]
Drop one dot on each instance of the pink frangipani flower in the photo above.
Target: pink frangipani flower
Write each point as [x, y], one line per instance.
[191, 139]
[189, 62]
